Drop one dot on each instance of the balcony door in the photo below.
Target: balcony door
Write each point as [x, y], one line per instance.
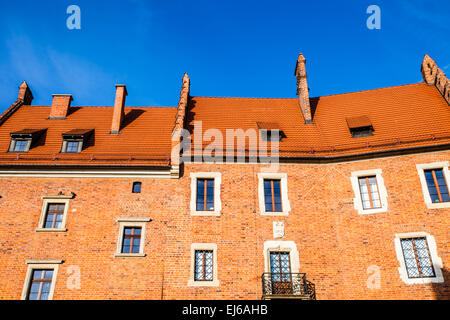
[280, 269]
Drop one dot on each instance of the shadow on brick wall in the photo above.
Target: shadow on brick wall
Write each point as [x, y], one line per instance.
[442, 290]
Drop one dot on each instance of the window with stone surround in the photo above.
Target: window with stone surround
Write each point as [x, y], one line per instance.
[54, 213]
[203, 271]
[205, 193]
[418, 258]
[204, 263]
[273, 194]
[131, 239]
[370, 195]
[434, 179]
[370, 192]
[40, 279]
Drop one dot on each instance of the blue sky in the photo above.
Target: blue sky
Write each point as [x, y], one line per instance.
[229, 48]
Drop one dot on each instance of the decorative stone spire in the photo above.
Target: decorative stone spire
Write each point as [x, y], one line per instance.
[433, 75]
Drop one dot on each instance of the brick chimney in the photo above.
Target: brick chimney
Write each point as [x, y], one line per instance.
[60, 106]
[119, 108]
[25, 94]
[302, 88]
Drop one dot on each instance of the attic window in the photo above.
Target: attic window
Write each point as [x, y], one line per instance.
[22, 141]
[360, 126]
[75, 140]
[270, 131]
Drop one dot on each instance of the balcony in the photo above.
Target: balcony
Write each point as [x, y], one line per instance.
[287, 286]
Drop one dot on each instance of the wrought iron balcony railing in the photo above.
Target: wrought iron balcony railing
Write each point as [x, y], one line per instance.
[287, 285]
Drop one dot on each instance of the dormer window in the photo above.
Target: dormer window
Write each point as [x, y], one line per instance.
[75, 140]
[22, 141]
[360, 126]
[270, 131]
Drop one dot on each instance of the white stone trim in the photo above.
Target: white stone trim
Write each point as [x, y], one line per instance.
[203, 246]
[426, 195]
[435, 259]
[136, 223]
[285, 246]
[217, 176]
[284, 193]
[86, 173]
[54, 199]
[357, 201]
[41, 264]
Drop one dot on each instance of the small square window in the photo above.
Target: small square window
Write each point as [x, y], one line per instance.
[361, 132]
[20, 145]
[72, 146]
[137, 187]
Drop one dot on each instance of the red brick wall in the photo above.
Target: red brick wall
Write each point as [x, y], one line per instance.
[336, 245]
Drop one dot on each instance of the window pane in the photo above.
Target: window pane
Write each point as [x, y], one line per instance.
[44, 296]
[20, 145]
[33, 296]
[137, 187]
[200, 206]
[72, 146]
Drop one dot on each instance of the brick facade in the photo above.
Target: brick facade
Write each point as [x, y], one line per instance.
[336, 245]
[344, 250]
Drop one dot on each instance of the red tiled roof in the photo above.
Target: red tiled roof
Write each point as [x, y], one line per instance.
[403, 116]
[145, 137]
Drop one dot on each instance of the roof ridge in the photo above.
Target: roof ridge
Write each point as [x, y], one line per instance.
[330, 95]
[376, 89]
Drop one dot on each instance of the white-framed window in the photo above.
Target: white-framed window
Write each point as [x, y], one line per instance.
[418, 258]
[205, 193]
[370, 192]
[54, 213]
[435, 179]
[203, 271]
[40, 279]
[131, 239]
[273, 194]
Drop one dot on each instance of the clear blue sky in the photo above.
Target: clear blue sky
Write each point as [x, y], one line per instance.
[229, 48]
